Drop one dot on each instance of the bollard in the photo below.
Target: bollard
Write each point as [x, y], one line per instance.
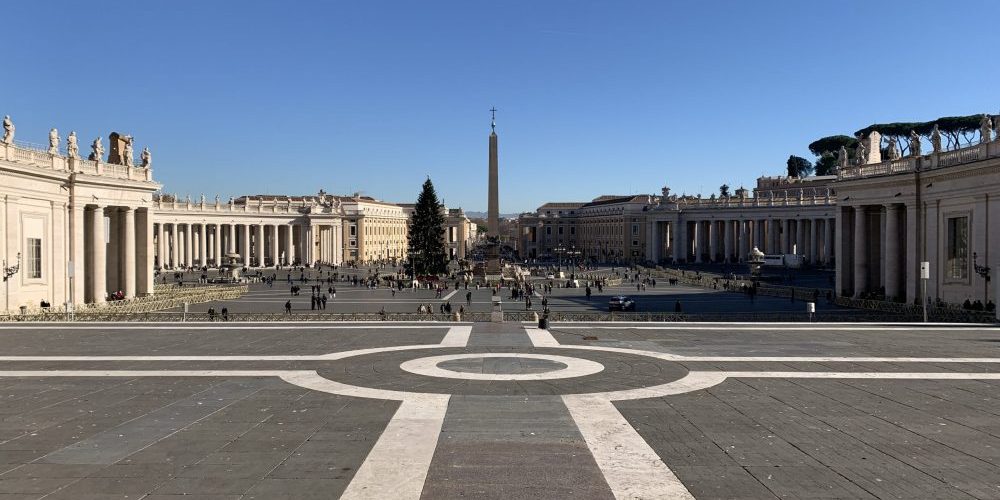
[811, 309]
[543, 323]
[185, 315]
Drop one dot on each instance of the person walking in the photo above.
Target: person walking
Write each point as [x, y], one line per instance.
[288, 307]
[225, 314]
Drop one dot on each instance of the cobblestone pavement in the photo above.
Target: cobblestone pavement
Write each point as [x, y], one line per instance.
[448, 410]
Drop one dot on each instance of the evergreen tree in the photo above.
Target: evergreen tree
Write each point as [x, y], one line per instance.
[427, 233]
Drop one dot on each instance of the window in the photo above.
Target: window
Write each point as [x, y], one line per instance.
[560, 230]
[548, 230]
[635, 229]
[635, 243]
[34, 261]
[572, 230]
[958, 248]
[354, 230]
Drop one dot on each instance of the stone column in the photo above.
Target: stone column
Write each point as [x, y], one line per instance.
[676, 245]
[828, 240]
[217, 243]
[231, 238]
[289, 258]
[189, 245]
[892, 257]
[812, 240]
[786, 232]
[202, 244]
[161, 247]
[98, 256]
[274, 245]
[727, 238]
[128, 251]
[144, 252]
[713, 240]
[78, 253]
[113, 255]
[245, 245]
[743, 230]
[173, 245]
[860, 251]
[697, 241]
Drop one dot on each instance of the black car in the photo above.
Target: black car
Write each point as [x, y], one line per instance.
[621, 303]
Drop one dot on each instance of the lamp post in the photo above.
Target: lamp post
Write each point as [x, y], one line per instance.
[559, 250]
[8, 273]
[984, 272]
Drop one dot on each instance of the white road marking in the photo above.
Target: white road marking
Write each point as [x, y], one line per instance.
[575, 367]
[779, 327]
[631, 468]
[541, 338]
[458, 336]
[450, 295]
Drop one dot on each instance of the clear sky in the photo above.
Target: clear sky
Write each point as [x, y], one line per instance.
[246, 97]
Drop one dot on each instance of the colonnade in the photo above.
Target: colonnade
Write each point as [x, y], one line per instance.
[730, 240]
[197, 244]
[875, 241]
[111, 250]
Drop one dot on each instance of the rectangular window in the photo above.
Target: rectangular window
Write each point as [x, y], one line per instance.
[635, 229]
[560, 230]
[635, 243]
[548, 230]
[34, 260]
[958, 248]
[354, 230]
[572, 230]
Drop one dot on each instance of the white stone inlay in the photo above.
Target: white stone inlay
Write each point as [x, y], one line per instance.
[575, 367]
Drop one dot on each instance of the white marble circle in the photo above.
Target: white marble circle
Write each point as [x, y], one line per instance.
[575, 367]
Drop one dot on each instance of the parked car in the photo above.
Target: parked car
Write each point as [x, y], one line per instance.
[621, 303]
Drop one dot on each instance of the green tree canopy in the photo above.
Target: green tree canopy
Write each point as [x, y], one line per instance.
[798, 166]
[826, 164]
[427, 251]
[832, 144]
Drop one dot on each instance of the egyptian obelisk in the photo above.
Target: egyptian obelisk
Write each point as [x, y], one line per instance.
[493, 211]
[493, 208]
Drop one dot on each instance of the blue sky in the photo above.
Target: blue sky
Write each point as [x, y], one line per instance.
[237, 97]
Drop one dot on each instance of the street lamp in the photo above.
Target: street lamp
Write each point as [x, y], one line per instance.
[8, 273]
[983, 271]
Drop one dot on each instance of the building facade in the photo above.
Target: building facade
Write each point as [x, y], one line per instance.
[941, 208]
[75, 229]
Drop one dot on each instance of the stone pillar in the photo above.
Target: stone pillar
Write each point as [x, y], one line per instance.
[697, 246]
[727, 238]
[189, 245]
[828, 240]
[289, 257]
[128, 248]
[813, 235]
[231, 239]
[78, 254]
[144, 252]
[202, 245]
[245, 244]
[217, 243]
[98, 256]
[860, 251]
[676, 245]
[274, 245]
[743, 230]
[113, 256]
[786, 231]
[891, 264]
[173, 242]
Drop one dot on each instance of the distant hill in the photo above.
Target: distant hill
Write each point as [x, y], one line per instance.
[482, 215]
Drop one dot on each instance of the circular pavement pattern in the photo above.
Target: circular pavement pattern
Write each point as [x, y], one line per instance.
[571, 367]
[500, 371]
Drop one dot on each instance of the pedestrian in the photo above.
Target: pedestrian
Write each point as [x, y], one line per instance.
[225, 314]
[677, 306]
[324, 302]
[288, 307]
[468, 298]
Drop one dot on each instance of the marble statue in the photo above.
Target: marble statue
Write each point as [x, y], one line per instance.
[8, 130]
[216, 199]
[97, 150]
[842, 157]
[893, 151]
[985, 129]
[127, 153]
[914, 143]
[147, 158]
[666, 191]
[72, 148]
[860, 153]
[936, 139]
[53, 142]
[202, 198]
